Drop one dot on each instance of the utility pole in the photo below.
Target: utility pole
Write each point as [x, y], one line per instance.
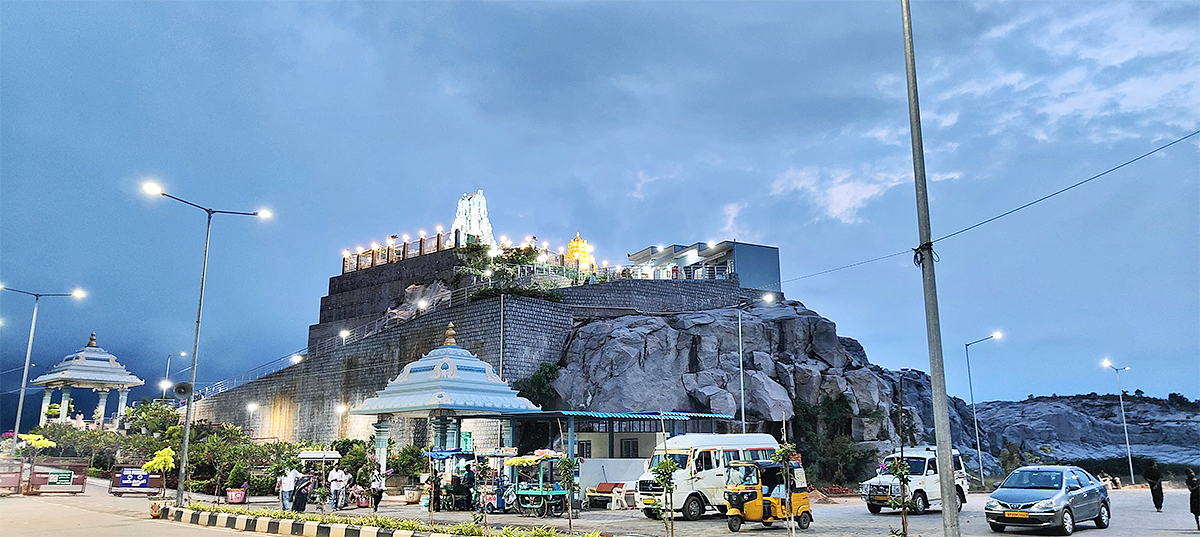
[933, 331]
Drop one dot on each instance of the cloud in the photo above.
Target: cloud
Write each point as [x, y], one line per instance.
[731, 212]
[643, 179]
[1016, 81]
[841, 193]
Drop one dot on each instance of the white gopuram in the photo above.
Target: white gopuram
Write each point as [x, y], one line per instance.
[472, 218]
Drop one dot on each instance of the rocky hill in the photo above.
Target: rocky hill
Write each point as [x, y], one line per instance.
[794, 357]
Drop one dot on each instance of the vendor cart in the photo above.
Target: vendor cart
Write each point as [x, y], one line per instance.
[496, 491]
[452, 495]
[537, 493]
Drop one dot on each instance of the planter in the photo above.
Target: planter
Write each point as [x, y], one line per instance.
[364, 501]
[157, 505]
[235, 495]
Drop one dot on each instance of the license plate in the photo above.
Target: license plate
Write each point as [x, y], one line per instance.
[1016, 514]
[880, 498]
[648, 501]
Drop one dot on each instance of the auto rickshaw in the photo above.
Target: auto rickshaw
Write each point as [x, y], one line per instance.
[755, 493]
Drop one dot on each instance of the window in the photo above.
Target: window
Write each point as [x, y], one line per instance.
[760, 454]
[629, 448]
[1084, 481]
[933, 466]
[958, 463]
[583, 449]
[705, 461]
[732, 455]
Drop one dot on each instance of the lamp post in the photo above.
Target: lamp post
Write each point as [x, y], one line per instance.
[166, 381]
[1121, 397]
[155, 190]
[768, 298]
[974, 415]
[37, 297]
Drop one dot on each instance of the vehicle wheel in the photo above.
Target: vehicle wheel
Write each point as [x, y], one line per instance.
[557, 508]
[874, 509]
[1068, 523]
[920, 504]
[650, 513]
[805, 520]
[1103, 518]
[962, 498]
[693, 507]
[735, 523]
[489, 508]
[767, 523]
[998, 528]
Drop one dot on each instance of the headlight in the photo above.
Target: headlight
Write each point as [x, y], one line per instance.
[992, 504]
[747, 496]
[1044, 505]
[895, 490]
[863, 488]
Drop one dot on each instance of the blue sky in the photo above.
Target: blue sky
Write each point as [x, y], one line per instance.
[783, 123]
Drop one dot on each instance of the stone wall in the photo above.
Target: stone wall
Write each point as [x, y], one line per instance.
[300, 402]
[656, 295]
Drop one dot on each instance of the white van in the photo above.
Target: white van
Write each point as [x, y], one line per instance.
[700, 481]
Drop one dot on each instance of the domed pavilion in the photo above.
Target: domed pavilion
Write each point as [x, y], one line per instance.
[89, 368]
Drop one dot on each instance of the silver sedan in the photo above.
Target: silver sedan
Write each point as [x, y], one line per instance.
[1048, 497]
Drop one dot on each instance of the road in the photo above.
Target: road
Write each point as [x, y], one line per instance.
[97, 514]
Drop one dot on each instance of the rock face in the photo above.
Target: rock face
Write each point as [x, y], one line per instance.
[689, 362]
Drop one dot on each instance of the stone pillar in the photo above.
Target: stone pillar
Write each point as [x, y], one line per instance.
[404, 251]
[383, 431]
[124, 395]
[421, 246]
[65, 404]
[103, 406]
[46, 395]
[439, 241]
[438, 424]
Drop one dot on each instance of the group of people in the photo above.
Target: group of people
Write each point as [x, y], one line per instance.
[296, 488]
[1154, 478]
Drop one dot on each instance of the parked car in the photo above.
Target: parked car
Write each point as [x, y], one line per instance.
[1048, 497]
[924, 489]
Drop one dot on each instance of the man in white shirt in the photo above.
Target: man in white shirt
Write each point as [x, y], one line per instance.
[287, 486]
[337, 483]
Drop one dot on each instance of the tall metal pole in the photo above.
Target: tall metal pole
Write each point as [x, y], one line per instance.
[166, 376]
[975, 416]
[25, 375]
[187, 420]
[941, 411]
[1128, 451]
[741, 371]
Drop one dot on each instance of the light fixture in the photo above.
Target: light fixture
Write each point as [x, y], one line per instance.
[503, 239]
[391, 241]
[263, 213]
[439, 229]
[421, 233]
[1106, 363]
[374, 245]
[487, 273]
[422, 304]
[358, 249]
[405, 237]
[605, 263]
[251, 407]
[528, 239]
[997, 335]
[341, 409]
[541, 258]
[297, 358]
[346, 253]
[561, 249]
[164, 384]
[152, 189]
[768, 297]
[79, 293]
[344, 334]
[712, 244]
[545, 244]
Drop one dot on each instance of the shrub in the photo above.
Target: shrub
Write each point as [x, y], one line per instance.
[237, 476]
[261, 486]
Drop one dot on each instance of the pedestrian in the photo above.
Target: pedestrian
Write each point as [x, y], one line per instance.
[337, 484]
[1193, 486]
[287, 487]
[1154, 478]
[304, 487]
[377, 485]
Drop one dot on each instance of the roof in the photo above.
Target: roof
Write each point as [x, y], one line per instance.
[674, 416]
[89, 367]
[448, 379]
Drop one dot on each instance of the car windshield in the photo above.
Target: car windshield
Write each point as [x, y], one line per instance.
[1034, 479]
[916, 465]
[741, 475]
[680, 459]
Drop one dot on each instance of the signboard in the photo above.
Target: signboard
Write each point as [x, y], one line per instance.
[466, 443]
[135, 478]
[60, 477]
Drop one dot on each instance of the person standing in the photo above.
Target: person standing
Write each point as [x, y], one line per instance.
[377, 485]
[287, 487]
[304, 487]
[1193, 486]
[1154, 478]
[337, 483]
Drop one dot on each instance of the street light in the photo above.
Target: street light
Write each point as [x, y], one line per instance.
[974, 416]
[1121, 397]
[37, 297]
[156, 190]
[768, 298]
[344, 334]
[166, 382]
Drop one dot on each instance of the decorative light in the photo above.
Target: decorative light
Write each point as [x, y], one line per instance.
[164, 384]
[297, 358]
[251, 407]
[605, 263]
[358, 249]
[712, 244]
[344, 334]
[152, 189]
[561, 249]
[494, 252]
[374, 245]
[391, 241]
[997, 335]
[545, 244]
[263, 213]
[421, 233]
[768, 297]
[405, 237]
[503, 239]
[439, 229]
[528, 239]
[79, 293]
[346, 253]
[422, 304]
[541, 258]
[341, 409]
[487, 273]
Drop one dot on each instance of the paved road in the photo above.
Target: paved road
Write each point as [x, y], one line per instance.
[98, 514]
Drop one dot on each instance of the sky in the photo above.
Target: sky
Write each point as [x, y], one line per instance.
[634, 124]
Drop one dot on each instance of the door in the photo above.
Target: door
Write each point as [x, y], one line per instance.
[933, 487]
[1090, 494]
[710, 475]
[1076, 496]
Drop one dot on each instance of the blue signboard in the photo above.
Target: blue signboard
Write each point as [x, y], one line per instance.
[134, 477]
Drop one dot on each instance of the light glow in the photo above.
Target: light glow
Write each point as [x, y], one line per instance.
[542, 258]
[152, 189]
[712, 244]
[251, 407]
[264, 213]
[422, 304]
[79, 293]
[768, 298]
[296, 358]
[487, 273]
[358, 249]
[341, 409]
[997, 335]
[374, 245]
[391, 241]
[164, 384]
[344, 334]
[440, 229]
[421, 233]
[405, 237]
[1106, 363]
[346, 253]
[183, 354]
[546, 244]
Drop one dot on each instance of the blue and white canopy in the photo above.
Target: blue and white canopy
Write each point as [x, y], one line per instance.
[90, 367]
[448, 380]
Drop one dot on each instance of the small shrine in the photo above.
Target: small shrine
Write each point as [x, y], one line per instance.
[448, 381]
[579, 251]
[88, 368]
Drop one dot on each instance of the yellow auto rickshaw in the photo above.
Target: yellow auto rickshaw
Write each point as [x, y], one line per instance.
[755, 492]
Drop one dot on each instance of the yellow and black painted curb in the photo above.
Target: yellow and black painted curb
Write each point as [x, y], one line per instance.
[284, 526]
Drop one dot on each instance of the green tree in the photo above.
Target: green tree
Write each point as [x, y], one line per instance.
[53, 409]
[153, 416]
[538, 388]
[664, 475]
